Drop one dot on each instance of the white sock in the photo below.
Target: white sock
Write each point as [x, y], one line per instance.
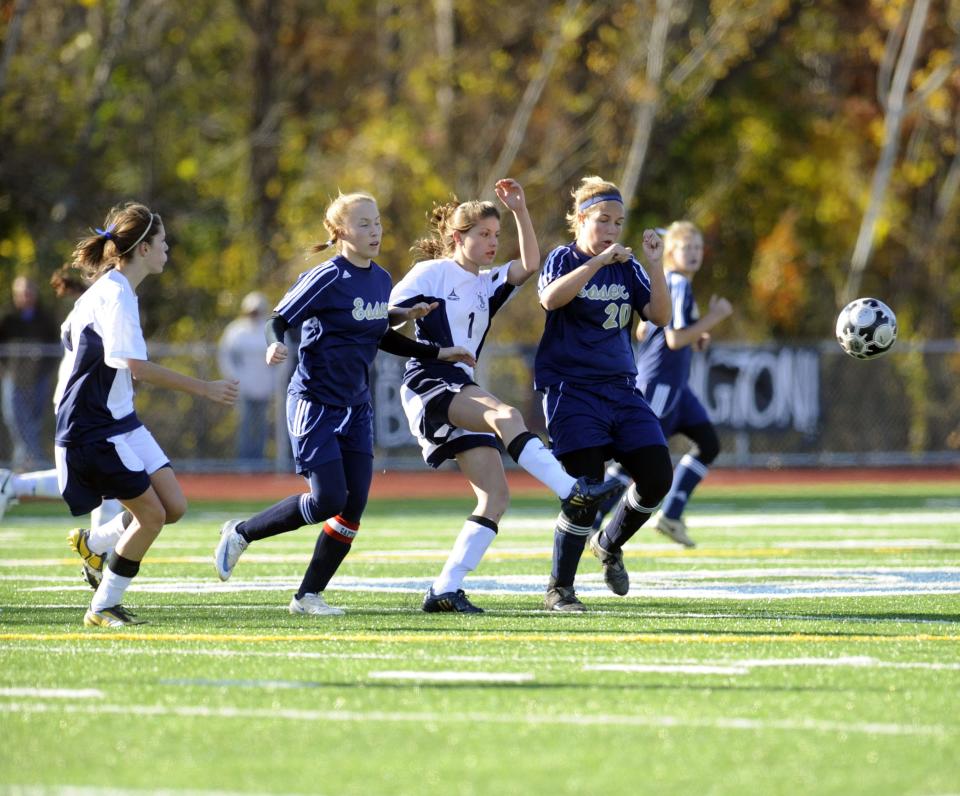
[105, 512]
[41, 484]
[541, 464]
[472, 542]
[103, 538]
[110, 591]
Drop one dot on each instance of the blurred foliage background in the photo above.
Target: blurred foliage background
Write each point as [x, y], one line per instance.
[766, 122]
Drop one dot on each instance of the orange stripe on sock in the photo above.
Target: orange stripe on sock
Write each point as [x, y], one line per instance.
[340, 524]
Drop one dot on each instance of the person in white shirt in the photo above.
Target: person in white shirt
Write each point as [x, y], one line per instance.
[240, 355]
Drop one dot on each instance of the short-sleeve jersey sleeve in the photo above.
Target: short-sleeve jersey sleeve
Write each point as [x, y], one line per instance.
[414, 287]
[681, 303]
[559, 262]
[306, 297]
[121, 332]
[498, 287]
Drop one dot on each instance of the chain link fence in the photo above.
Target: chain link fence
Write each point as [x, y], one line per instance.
[775, 406]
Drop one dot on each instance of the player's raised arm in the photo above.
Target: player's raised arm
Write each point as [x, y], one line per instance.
[658, 309]
[510, 192]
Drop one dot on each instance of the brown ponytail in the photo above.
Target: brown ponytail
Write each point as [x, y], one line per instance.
[125, 227]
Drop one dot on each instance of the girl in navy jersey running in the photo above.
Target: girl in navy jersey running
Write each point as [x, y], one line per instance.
[663, 373]
[451, 416]
[102, 448]
[341, 309]
[585, 368]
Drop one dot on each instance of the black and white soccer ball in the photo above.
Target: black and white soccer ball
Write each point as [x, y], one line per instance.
[866, 328]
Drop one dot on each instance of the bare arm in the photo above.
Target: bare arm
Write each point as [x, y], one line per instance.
[720, 309]
[564, 289]
[223, 391]
[658, 309]
[511, 194]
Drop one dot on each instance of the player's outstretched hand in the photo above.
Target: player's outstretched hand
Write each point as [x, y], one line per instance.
[616, 253]
[276, 353]
[652, 246]
[223, 391]
[510, 192]
[400, 315]
[720, 308]
[457, 354]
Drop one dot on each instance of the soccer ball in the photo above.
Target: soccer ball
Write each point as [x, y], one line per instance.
[866, 328]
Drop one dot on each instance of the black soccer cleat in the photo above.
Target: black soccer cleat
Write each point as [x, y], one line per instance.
[562, 599]
[580, 506]
[455, 602]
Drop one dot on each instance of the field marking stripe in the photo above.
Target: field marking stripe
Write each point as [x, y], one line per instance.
[53, 693]
[576, 720]
[429, 637]
[860, 661]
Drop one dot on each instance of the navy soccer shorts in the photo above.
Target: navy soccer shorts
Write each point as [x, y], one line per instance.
[612, 415]
[118, 467]
[321, 433]
[676, 407]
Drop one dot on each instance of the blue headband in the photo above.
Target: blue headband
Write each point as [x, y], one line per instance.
[613, 196]
[105, 233]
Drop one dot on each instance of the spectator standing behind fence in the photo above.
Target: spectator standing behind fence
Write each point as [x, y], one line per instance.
[241, 357]
[27, 373]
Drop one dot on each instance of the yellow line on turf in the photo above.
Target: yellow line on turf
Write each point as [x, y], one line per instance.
[428, 637]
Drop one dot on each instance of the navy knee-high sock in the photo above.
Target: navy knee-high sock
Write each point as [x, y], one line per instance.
[278, 518]
[626, 520]
[332, 546]
[338, 533]
[568, 543]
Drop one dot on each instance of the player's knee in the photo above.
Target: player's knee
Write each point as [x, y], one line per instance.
[328, 504]
[707, 450]
[174, 510]
[508, 419]
[152, 518]
[496, 504]
[654, 483]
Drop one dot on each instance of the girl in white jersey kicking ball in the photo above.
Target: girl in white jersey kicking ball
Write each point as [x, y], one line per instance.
[451, 416]
[102, 448]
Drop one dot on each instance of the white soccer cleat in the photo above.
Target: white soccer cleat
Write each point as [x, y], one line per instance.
[674, 529]
[229, 549]
[6, 491]
[313, 604]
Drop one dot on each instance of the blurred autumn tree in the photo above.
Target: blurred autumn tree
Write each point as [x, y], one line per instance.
[763, 121]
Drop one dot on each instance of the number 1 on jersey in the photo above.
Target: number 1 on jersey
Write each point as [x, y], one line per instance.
[470, 325]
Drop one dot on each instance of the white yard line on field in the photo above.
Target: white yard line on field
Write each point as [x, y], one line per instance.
[53, 693]
[739, 583]
[795, 724]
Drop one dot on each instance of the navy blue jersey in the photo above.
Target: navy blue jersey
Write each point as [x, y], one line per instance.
[95, 390]
[587, 341]
[342, 312]
[467, 302]
[656, 361]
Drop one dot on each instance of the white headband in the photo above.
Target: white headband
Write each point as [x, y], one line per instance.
[138, 240]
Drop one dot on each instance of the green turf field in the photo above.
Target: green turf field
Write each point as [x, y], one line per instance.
[810, 644]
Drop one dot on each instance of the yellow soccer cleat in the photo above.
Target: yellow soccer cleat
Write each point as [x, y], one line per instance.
[92, 562]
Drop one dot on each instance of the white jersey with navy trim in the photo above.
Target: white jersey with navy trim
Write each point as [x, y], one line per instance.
[96, 389]
[467, 302]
